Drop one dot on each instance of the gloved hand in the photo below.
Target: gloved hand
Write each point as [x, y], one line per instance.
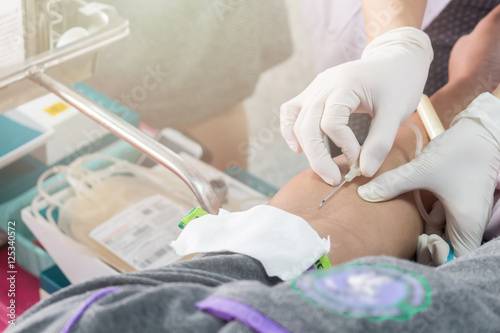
[387, 82]
[460, 167]
[432, 250]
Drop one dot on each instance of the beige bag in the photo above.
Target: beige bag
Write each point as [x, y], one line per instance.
[97, 196]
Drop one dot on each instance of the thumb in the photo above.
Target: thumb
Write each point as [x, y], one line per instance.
[439, 249]
[464, 229]
[392, 183]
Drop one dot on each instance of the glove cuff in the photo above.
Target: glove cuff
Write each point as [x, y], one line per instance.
[486, 109]
[417, 41]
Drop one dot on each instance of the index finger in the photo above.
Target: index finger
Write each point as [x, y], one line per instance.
[314, 145]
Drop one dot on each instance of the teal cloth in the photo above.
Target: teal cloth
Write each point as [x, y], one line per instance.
[53, 279]
[13, 135]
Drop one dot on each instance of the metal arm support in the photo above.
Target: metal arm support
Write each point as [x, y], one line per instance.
[153, 149]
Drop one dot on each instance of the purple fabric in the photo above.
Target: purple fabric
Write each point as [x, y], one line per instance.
[88, 302]
[228, 309]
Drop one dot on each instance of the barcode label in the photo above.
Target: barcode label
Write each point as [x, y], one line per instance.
[140, 235]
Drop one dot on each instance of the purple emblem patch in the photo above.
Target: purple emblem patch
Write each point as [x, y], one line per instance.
[375, 292]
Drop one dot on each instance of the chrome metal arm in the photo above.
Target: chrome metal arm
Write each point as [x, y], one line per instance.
[153, 149]
[117, 28]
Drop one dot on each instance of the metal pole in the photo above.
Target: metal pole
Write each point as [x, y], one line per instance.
[153, 149]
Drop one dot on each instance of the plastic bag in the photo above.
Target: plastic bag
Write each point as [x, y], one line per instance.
[85, 199]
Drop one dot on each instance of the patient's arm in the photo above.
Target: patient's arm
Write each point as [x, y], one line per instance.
[358, 228]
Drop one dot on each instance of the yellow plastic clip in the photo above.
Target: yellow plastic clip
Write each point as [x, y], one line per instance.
[193, 214]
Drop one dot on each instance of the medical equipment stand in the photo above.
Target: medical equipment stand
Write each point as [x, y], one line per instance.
[35, 69]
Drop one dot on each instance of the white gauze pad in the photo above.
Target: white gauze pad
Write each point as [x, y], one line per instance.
[284, 243]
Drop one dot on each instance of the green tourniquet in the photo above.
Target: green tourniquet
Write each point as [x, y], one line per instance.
[322, 263]
[193, 214]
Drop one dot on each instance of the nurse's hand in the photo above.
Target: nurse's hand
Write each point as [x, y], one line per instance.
[386, 82]
[460, 167]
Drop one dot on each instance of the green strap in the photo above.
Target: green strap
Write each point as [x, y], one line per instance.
[322, 263]
[193, 214]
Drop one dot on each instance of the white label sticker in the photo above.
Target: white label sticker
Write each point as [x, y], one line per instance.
[141, 234]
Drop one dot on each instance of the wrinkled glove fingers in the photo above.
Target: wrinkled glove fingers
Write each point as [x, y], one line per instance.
[378, 144]
[335, 124]
[311, 137]
[289, 113]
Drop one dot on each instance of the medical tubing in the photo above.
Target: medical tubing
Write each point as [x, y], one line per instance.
[81, 180]
[65, 238]
[418, 150]
[52, 203]
[76, 176]
[44, 193]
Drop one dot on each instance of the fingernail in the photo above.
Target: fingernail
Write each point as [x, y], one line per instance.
[368, 193]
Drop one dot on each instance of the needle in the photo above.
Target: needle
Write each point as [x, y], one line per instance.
[335, 190]
[353, 173]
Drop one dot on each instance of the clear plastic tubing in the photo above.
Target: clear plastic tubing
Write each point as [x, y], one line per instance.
[418, 150]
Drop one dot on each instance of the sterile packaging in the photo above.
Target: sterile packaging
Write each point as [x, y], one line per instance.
[72, 130]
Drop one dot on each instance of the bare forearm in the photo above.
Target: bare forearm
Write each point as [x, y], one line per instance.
[474, 68]
[384, 15]
[358, 228]
[455, 96]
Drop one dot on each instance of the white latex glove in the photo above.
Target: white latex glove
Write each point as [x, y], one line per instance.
[460, 167]
[432, 250]
[387, 82]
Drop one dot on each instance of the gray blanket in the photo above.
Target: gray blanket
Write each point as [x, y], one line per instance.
[231, 293]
